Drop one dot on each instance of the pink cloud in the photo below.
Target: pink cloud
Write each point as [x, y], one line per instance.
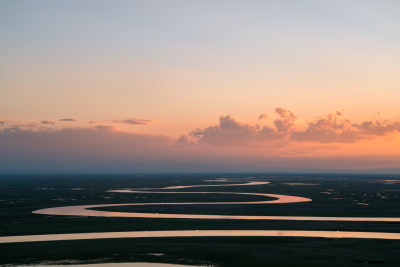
[286, 120]
[12, 125]
[228, 132]
[67, 119]
[134, 121]
[105, 148]
[335, 128]
[332, 128]
[47, 122]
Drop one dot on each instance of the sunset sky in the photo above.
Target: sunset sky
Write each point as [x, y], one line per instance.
[197, 86]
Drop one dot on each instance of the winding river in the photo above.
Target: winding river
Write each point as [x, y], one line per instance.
[89, 210]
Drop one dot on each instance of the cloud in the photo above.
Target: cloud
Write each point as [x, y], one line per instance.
[107, 128]
[332, 128]
[105, 148]
[78, 146]
[328, 129]
[11, 129]
[134, 121]
[12, 125]
[228, 132]
[67, 119]
[377, 127]
[184, 141]
[335, 128]
[278, 130]
[47, 122]
[286, 121]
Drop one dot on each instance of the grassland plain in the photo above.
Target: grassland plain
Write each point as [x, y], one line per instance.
[332, 195]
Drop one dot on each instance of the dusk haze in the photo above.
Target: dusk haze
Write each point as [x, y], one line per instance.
[167, 133]
[153, 86]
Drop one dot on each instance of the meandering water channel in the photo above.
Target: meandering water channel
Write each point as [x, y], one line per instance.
[89, 210]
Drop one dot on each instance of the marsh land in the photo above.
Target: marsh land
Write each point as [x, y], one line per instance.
[331, 195]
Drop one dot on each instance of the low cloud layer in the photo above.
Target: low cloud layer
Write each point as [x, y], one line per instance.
[94, 146]
[282, 142]
[106, 149]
